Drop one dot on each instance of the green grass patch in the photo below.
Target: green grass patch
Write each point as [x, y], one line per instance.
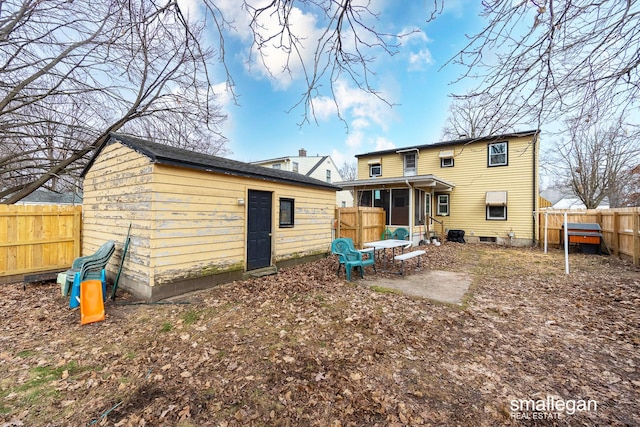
[166, 327]
[26, 353]
[383, 290]
[190, 317]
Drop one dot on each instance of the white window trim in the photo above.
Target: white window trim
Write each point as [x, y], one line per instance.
[371, 166]
[506, 154]
[503, 217]
[445, 159]
[410, 171]
[438, 211]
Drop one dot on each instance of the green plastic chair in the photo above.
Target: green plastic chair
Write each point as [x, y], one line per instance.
[350, 257]
[386, 234]
[401, 234]
[89, 266]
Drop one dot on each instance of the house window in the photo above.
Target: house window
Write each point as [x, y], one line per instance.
[286, 213]
[443, 205]
[446, 158]
[410, 164]
[446, 162]
[276, 166]
[497, 213]
[375, 169]
[295, 166]
[498, 154]
[496, 202]
[364, 198]
[328, 175]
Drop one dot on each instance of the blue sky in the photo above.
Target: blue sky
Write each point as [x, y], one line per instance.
[262, 127]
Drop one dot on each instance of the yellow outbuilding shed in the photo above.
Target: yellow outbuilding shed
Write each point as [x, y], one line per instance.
[198, 220]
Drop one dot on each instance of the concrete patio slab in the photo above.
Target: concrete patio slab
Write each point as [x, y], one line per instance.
[444, 286]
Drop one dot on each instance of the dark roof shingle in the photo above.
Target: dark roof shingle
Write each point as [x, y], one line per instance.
[167, 155]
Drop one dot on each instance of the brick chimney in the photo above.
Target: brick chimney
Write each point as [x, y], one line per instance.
[302, 152]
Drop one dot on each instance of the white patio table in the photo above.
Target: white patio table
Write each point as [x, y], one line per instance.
[388, 244]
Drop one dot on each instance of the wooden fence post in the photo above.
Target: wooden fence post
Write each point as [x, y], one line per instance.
[636, 246]
[615, 237]
[359, 228]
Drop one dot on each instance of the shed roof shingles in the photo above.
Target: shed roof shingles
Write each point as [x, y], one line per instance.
[165, 154]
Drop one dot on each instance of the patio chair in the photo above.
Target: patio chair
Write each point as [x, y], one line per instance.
[90, 266]
[400, 234]
[350, 257]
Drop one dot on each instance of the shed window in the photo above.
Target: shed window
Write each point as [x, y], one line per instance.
[287, 207]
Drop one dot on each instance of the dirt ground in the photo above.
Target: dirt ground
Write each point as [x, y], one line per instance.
[528, 345]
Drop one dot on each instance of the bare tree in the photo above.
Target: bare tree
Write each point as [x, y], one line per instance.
[476, 116]
[598, 160]
[550, 58]
[348, 171]
[141, 65]
[71, 72]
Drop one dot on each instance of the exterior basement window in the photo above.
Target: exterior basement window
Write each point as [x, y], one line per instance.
[287, 208]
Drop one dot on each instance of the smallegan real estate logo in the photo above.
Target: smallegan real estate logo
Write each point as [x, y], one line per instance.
[552, 407]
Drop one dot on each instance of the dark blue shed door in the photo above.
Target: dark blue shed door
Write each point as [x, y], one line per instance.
[259, 229]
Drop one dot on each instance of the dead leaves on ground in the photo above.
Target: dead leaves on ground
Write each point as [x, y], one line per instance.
[305, 347]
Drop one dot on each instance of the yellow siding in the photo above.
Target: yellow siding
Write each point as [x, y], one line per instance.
[472, 179]
[118, 192]
[189, 223]
[200, 226]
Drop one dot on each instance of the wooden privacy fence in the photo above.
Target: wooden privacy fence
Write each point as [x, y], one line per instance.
[620, 228]
[37, 239]
[361, 224]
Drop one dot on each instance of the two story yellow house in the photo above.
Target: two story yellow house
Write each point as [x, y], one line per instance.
[486, 186]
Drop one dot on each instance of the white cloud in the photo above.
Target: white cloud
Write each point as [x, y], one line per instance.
[277, 59]
[410, 36]
[324, 107]
[383, 143]
[354, 140]
[420, 60]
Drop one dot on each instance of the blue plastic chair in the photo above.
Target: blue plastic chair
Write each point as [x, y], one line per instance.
[350, 257]
[400, 234]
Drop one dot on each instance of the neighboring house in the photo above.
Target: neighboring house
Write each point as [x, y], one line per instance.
[486, 186]
[198, 220]
[42, 196]
[564, 198]
[319, 167]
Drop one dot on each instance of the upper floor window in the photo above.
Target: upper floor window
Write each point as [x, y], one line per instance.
[375, 169]
[498, 154]
[276, 166]
[410, 164]
[328, 175]
[446, 162]
[295, 166]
